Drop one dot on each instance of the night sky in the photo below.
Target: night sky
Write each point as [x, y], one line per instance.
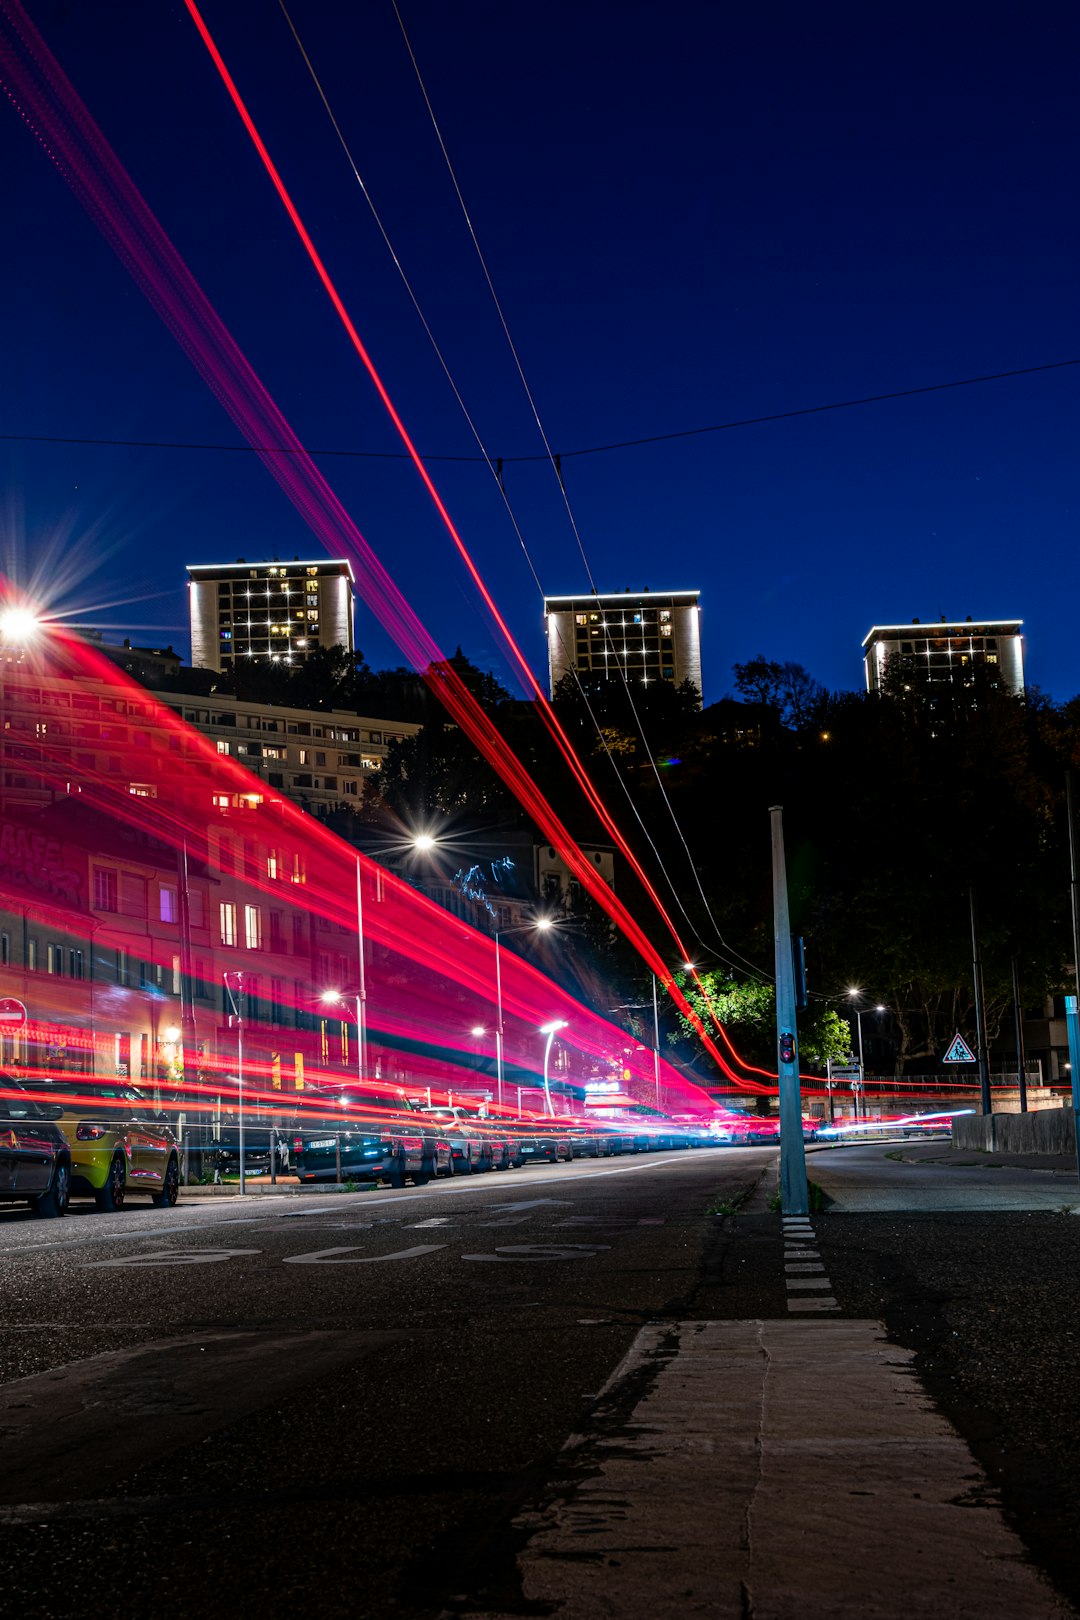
[691, 213]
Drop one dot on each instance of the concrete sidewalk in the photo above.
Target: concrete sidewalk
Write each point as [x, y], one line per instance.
[772, 1470]
[931, 1153]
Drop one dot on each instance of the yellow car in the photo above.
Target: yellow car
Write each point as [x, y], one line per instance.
[117, 1145]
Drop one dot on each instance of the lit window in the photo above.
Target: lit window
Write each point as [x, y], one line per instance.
[104, 889]
[252, 928]
[227, 922]
[168, 904]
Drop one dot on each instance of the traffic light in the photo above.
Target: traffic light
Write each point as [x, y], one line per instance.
[787, 1047]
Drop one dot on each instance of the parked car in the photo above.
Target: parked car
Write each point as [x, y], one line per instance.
[35, 1161]
[224, 1151]
[379, 1139]
[471, 1143]
[117, 1143]
[535, 1141]
[760, 1130]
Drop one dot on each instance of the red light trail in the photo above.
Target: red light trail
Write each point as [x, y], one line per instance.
[46, 100]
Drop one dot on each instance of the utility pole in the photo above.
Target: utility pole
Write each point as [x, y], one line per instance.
[1072, 1003]
[980, 1011]
[656, 1044]
[793, 1191]
[1021, 1068]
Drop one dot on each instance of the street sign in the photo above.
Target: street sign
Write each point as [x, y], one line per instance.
[959, 1051]
[844, 1071]
[12, 1013]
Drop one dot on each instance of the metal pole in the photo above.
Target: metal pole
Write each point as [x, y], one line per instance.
[794, 1199]
[1021, 1065]
[656, 1045]
[1072, 1025]
[499, 1027]
[1074, 882]
[361, 999]
[980, 1015]
[547, 1085]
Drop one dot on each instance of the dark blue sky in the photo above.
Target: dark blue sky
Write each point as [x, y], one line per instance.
[692, 213]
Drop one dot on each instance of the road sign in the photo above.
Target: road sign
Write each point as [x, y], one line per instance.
[12, 1013]
[959, 1051]
[845, 1071]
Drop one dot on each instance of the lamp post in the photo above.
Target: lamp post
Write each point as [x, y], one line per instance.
[335, 998]
[237, 1001]
[542, 924]
[550, 1030]
[853, 993]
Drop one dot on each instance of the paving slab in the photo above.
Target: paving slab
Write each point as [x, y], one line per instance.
[732, 1489]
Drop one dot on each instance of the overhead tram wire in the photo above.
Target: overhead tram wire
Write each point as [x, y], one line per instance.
[548, 715]
[212, 447]
[556, 463]
[495, 469]
[46, 99]
[444, 680]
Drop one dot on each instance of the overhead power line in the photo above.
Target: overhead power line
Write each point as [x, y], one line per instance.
[564, 455]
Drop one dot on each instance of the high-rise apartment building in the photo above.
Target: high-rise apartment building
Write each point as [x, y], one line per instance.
[273, 610]
[946, 653]
[646, 636]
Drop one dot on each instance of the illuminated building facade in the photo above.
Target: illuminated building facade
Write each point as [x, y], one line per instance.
[646, 636]
[56, 731]
[946, 653]
[280, 611]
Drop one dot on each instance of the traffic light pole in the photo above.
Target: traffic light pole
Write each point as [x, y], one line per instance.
[794, 1199]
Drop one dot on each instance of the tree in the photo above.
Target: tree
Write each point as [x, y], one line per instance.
[788, 688]
[747, 1009]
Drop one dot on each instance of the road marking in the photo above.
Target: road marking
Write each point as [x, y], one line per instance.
[530, 1203]
[436, 1220]
[336, 1257]
[542, 1251]
[169, 1257]
[800, 1258]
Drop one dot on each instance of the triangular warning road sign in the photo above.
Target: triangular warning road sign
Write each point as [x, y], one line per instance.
[959, 1051]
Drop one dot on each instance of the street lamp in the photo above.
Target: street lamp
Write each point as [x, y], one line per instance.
[858, 1011]
[237, 1001]
[550, 1030]
[541, 923]
[18, 625]
[335, 998]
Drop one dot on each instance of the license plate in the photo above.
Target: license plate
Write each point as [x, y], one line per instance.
[327, 1141]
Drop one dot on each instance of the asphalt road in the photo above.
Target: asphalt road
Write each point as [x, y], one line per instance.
[340, 1402]
[328, 1399]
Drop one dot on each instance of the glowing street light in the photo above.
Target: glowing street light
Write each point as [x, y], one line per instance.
[19, 624]
[541, 923]
[337, 998]
[853, 994]
[550, 1030]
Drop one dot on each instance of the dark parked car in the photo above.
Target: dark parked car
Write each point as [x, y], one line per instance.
[536, 1142]
[35, 1161]
[224, 1151]
[381, 1140]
